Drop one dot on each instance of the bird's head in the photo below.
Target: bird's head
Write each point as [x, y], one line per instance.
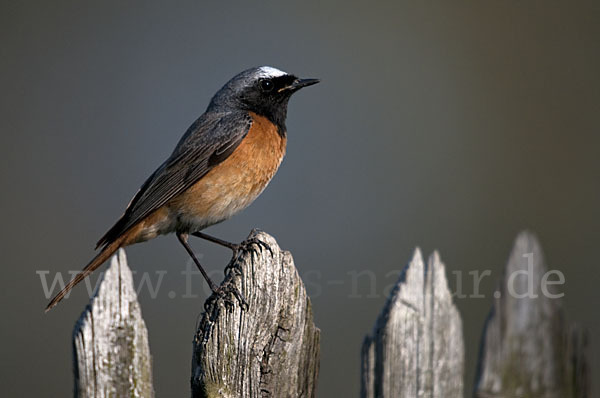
[263, 90]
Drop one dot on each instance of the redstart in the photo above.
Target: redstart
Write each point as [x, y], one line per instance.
[222, 163]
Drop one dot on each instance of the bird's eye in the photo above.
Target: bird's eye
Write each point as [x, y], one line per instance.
[266, 85]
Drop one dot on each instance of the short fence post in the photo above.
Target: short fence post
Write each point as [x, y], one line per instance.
[416, 348]
[110, 340]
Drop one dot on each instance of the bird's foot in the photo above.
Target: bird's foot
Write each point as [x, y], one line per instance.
[224, 293]
[252, 245]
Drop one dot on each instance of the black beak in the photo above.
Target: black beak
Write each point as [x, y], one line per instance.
[300, 83]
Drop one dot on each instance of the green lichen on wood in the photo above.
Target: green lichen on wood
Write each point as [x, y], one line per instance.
[216, 390]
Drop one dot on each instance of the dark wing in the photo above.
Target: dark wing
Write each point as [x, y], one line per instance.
[209, 141]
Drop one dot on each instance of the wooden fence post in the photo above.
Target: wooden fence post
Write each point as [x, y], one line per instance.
[270, 348]
[110, 340]
[528, 349]
[416, 348]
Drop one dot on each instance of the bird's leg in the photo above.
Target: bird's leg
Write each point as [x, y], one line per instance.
[218, 291]
[235, 247]
[183, 238]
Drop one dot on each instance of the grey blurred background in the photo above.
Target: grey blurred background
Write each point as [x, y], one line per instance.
[450, 127]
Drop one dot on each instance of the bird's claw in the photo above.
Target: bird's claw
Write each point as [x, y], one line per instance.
[253, 243]
[249, 245]
[222, 293]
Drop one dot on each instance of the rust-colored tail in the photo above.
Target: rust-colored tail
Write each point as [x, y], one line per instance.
[97, 261]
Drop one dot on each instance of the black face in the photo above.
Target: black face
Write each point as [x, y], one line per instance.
[269, 96]
[262, 93]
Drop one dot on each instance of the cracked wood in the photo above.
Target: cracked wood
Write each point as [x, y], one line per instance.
[270, 349]
[416, 347]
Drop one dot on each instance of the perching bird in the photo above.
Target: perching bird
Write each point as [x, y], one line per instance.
[222, 163]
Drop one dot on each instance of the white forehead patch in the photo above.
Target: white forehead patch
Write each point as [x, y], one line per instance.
[268, 71]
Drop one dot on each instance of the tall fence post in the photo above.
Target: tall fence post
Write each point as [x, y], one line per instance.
[416, 348]
[270, 348]
[528, 349]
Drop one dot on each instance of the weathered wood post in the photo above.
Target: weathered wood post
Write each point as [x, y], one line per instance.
[110, 340]
[528, 349]
[416, 348]
[270, 348]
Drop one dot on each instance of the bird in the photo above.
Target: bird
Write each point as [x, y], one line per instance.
[220, 165]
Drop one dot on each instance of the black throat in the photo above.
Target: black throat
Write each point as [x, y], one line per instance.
[277, 116]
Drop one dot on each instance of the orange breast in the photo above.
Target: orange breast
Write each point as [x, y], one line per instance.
[233, 184]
